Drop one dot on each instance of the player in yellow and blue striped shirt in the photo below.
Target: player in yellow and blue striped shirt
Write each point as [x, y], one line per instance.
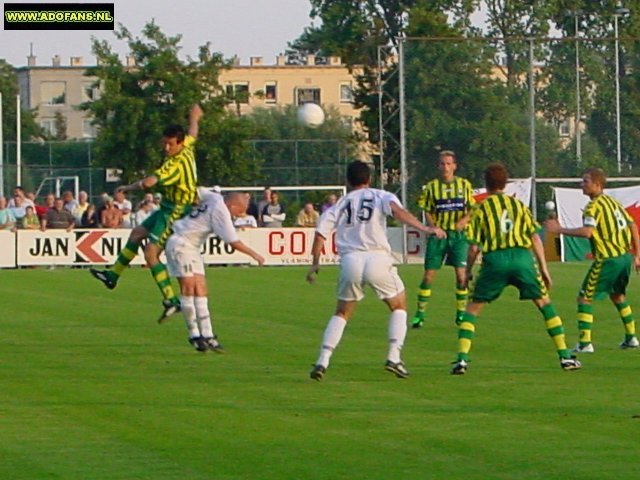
[613, 235]
[503, 228]
[446, 202]
[177, 178]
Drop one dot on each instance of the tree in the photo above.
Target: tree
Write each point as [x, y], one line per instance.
[60, 125]
[9, 89]
[138, 102]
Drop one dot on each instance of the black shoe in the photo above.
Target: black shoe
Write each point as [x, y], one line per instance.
[170, 308]
[199, 344]
[459, 367]
[396, 368]
[107, 277]
[317, 372]
[213, 344]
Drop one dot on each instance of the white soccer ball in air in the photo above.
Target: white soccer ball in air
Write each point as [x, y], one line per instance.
[550, 206]
[311, 115]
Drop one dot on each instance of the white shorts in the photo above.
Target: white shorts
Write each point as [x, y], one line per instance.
[183, 259]
[358, 269]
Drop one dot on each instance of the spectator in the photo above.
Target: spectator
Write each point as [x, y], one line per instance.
[19, 192]
[30, 221]
[148, 197]
[124, 205]
[146, 209]
[330, 202]
[266, 200]
[252, 209]
[274, 213]
[307, 217]
[7, 220]
[157, 200]
[244, 219]
[83, 204]
[41, 210]
[90, 217]
[111, 216]
[58, 217]
[70, 203]
[18, 210]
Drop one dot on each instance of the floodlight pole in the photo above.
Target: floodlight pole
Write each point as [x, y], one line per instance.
[18, 143]
[618, 13]
[380, 122]
[578, 99]
[532, 129]
[403, 143]
[1, 152]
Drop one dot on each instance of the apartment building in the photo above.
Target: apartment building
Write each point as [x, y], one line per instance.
[56, 90]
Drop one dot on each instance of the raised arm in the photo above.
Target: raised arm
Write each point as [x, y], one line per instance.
[195, 115]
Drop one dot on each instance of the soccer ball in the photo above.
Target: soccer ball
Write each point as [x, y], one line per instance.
[550, 206]
[310, 115]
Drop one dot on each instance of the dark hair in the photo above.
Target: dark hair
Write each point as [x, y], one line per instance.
[597, 176]
[358, 173]
[495, 177]
[174, 131]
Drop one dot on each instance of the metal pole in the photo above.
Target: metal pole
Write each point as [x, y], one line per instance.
[1, 151]
[403, 143]
[18, 143]
[578, 112]
[618, 141]
[532, 129]
[380, 121]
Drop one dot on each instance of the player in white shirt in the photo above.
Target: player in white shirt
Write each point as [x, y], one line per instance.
[360, 221]
[185, 262]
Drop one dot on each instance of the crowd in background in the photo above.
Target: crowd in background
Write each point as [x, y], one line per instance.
[24, 211]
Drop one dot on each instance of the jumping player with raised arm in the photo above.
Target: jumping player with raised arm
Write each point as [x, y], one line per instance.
[177, 179]
[359, 220]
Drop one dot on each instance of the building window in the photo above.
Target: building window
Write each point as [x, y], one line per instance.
[90, 93]
[238, 92]
[53, 93]
[308, 95]
[49, 126]
[564, 128]
[270, 92]
[346, 93]
[88, 130]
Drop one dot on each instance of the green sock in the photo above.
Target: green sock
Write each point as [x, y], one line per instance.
[585, 321]
[125, 256]
[553, 324]
[424, 294]
[626, 315]
[162, 279]
[465, 335]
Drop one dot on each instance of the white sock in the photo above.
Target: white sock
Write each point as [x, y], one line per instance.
[331, 339]
[203, 317]
[397, 334]
[189, 313]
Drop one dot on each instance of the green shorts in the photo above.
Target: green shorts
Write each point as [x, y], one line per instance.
[610, 275]
[160, 223]
[450, 251]
[511, 266]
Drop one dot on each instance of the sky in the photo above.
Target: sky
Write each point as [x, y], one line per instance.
[242, 28]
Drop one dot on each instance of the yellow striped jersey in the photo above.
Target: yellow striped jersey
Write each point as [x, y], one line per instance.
[500, 222]
[178, 176]
[447, 202]
[611, 227]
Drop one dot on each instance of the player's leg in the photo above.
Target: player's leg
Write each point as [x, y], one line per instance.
[555, 329]
[618, 297]
[111, 276]
[588, 293]
[433, 256]
[349, 292]
[203, 315]
[382, 276]
[457, 258]
[466, 332]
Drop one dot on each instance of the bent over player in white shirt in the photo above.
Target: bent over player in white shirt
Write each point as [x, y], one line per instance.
[185, 262]
[360, 221]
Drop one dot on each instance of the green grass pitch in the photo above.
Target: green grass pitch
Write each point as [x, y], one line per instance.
[92, 388]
